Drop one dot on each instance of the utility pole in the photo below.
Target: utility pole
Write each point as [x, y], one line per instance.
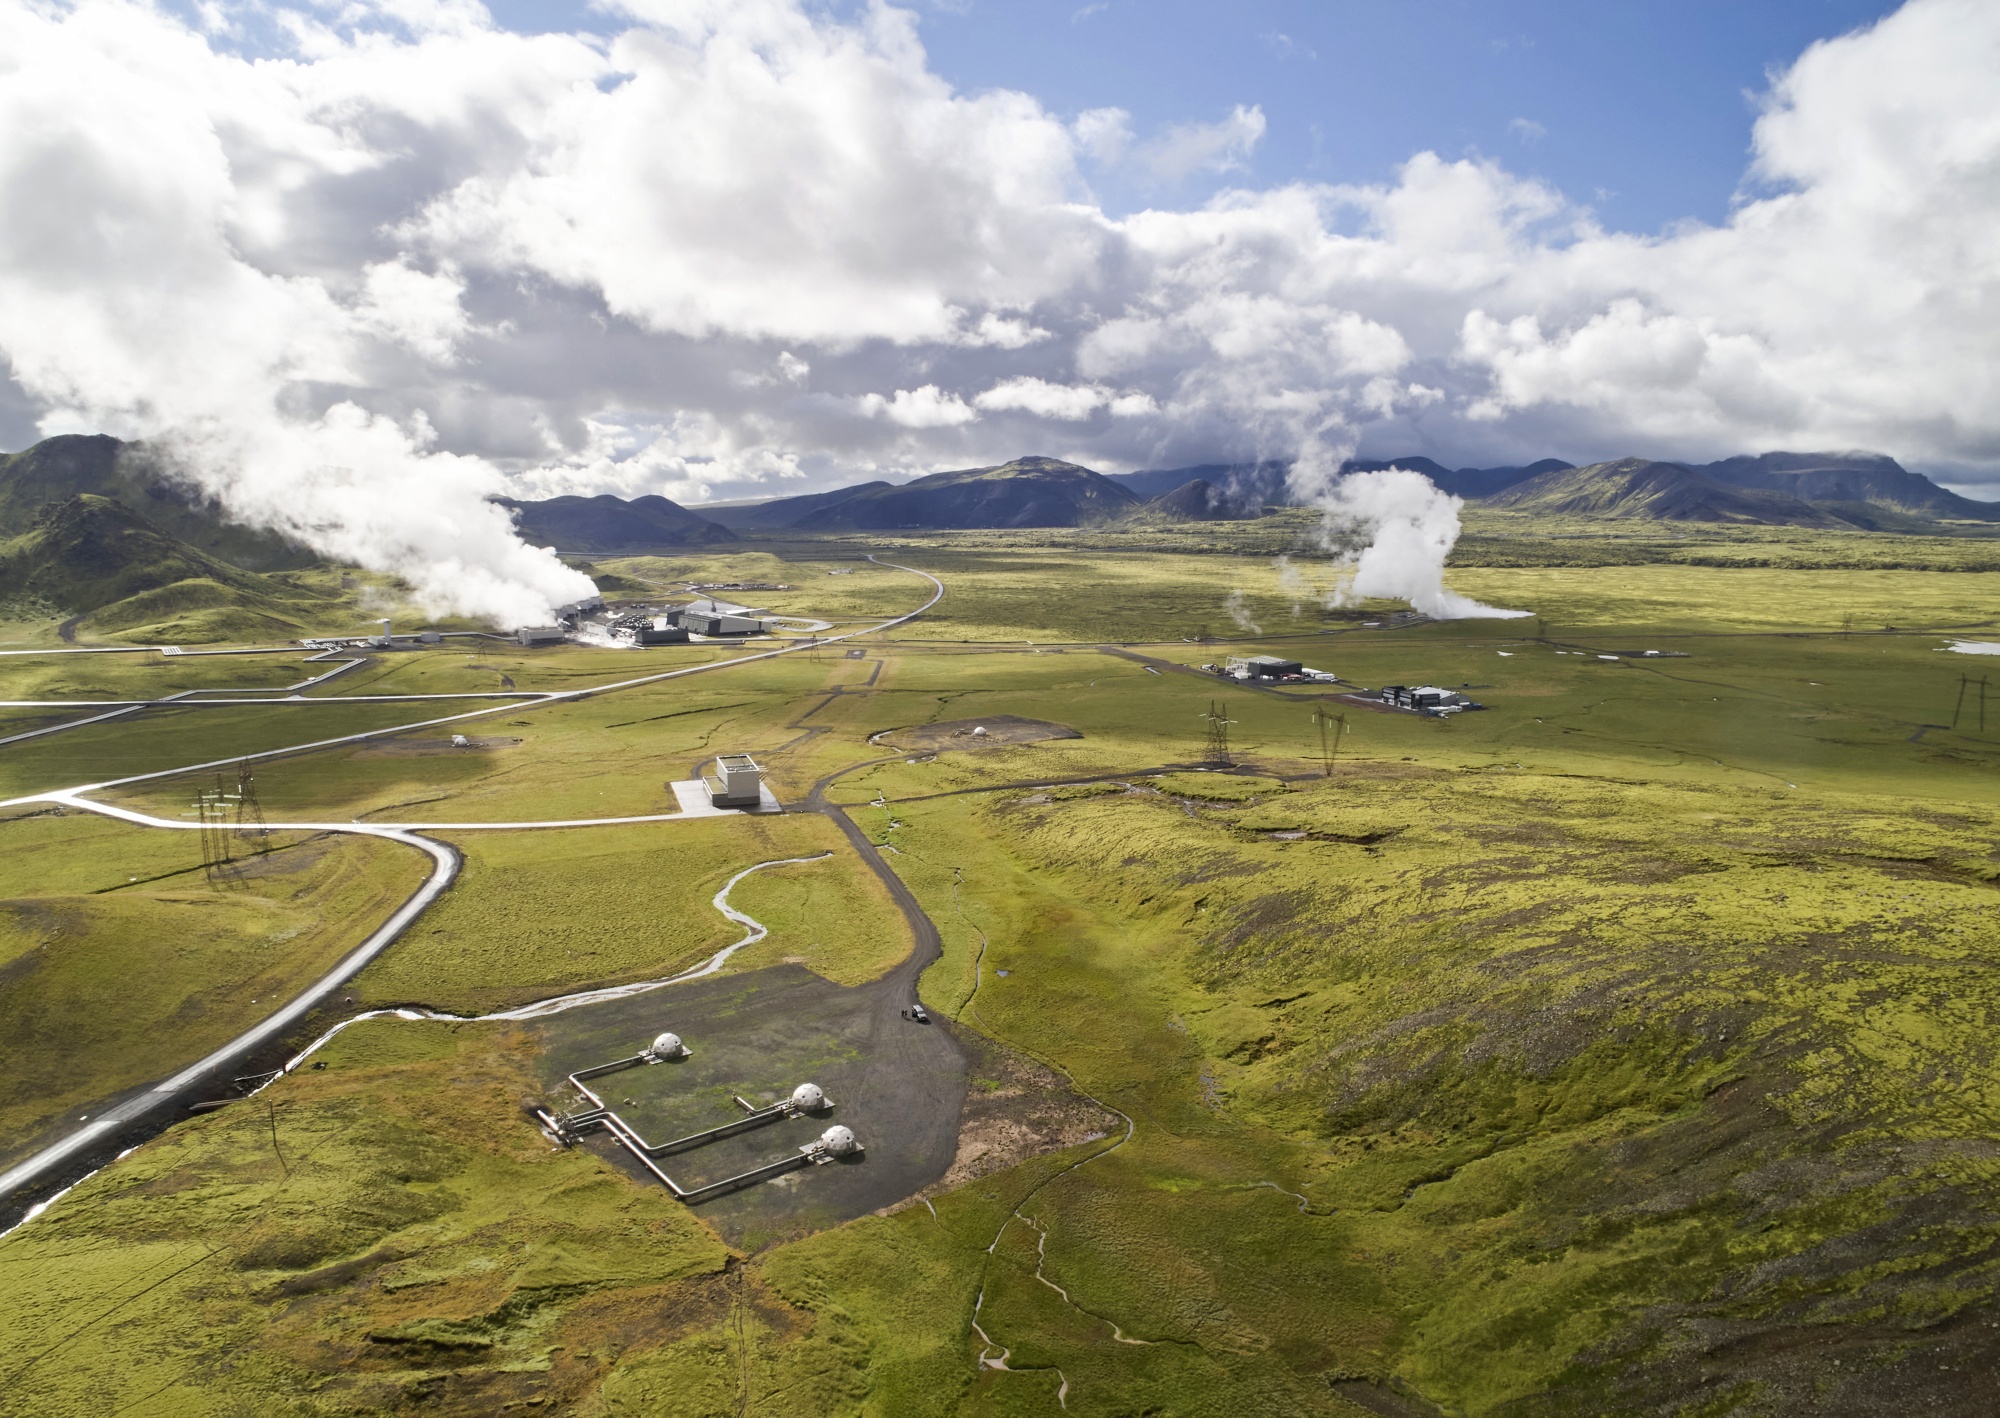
[1217, 750]
[1961, 701]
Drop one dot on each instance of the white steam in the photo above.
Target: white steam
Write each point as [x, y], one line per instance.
[133, 301]
[1237, 607]
[1409, 527]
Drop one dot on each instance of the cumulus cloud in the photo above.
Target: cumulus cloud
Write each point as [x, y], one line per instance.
[1072, 402]
[928, 407]
[754, 247]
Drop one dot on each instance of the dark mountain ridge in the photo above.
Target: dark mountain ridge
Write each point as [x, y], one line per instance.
[607, 524]
[778, 513]
[1196, 501]
[1257, 485]
[1027, 492]
[1639, 488]
[1872, 478]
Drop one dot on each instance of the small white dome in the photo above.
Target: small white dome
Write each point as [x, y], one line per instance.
[979, 732]
[837, 1140]
[807, 1097]
[667, 1046]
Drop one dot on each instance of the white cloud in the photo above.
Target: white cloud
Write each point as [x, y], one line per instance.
[926, 407]
[1527, 130]
[1187, 148]
[1070, 402]
[1103, 133]
[356, 283]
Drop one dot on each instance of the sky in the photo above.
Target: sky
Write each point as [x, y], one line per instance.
[360, 266]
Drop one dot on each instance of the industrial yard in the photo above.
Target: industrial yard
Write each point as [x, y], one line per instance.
[1327, 1080]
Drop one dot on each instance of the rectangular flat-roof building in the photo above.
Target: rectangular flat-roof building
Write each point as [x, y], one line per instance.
[734, 780]
[1263, 667]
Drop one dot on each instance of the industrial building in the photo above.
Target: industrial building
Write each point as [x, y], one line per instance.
[1426, 699]
[734, 780]
[1263, 667]
[660, 631]
[712, 617]
[1269, 669]
[539, 635]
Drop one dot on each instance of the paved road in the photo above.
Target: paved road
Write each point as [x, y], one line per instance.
[59, 1160]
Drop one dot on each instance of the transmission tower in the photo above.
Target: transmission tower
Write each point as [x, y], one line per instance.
[213, 812]
[249, 813]
[1218, 734]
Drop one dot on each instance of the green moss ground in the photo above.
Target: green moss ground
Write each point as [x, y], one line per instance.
[1624, 1048]
[536, 914]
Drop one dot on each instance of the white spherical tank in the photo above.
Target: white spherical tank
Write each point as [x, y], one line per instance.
[668, 1046]
[979, 732]
[807, 1097]
[838, 1140]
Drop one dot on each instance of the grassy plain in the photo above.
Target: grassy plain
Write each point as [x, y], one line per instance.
[120, 961]
[537, 914]
[1625, 1047]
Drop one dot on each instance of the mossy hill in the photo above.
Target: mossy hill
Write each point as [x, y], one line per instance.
[607, 523]
[86, 552]
[143, 480]
[90, 556]
[1028, 492]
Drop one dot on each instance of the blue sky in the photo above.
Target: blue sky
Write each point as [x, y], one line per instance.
[1639, 108]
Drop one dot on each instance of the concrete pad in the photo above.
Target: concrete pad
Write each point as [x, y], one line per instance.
[692, 796]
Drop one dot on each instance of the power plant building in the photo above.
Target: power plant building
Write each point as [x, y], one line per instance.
[1264, 667]
[661, 632]
[539, 635]
[1427, 699]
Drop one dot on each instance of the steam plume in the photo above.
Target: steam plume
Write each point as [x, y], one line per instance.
[1399, 527]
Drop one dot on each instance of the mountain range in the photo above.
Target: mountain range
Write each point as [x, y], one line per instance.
[91, 526]
[608, 524]
[1028, 492]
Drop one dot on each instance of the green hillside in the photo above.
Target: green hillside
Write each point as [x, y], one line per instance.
[65, 466]
[104, 566]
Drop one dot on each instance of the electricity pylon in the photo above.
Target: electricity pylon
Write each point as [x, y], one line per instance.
[1218, 734]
